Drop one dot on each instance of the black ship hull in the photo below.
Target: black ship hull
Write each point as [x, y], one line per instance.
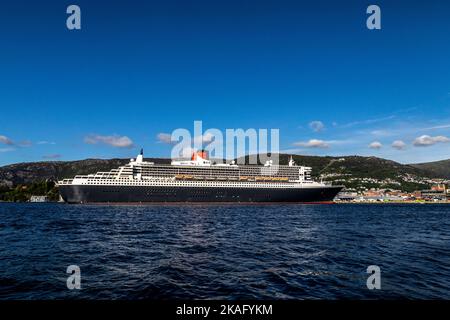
[148, 194]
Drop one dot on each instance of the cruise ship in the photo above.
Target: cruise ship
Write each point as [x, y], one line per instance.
[197, 180]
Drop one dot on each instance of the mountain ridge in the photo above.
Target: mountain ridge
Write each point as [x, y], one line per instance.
[439, 168]
[370, 170]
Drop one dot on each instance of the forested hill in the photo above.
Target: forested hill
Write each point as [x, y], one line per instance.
[436, 168]
[347, 168]
[25, 173]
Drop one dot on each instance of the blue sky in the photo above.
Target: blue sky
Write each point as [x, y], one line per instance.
[140, 68]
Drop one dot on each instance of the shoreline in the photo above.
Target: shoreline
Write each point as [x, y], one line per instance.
[392, 202]
[237, 203]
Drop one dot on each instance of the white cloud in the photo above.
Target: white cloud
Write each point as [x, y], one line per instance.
[367, 121]
[164, 138]
[444, 126]
[398, 144]
[9, 142]
[114, 140]
[316, 126]
[6, 140]
[201, 139]
[375, 145]
[6, 149]
[45, 142]
[184, 153]
[206, 138]
[381, 133]
[426, 140]
[313, 143]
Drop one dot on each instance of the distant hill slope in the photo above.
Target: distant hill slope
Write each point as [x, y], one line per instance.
[362, 173]
[358, 166]
[25, 173]
[348, 166]
[439, 169]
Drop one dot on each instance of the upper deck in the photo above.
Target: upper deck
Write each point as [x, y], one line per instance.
[199, 168]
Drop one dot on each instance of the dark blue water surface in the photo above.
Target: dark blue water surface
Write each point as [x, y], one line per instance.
[224, 251]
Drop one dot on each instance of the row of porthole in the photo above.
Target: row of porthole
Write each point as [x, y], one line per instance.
[196, 186]
[182, 183]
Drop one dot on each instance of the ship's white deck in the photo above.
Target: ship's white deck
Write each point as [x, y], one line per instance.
[175, 183]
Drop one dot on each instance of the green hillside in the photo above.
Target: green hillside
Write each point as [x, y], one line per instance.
[20, 180]
[439, 169]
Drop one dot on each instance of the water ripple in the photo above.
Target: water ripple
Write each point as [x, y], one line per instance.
[224, 251]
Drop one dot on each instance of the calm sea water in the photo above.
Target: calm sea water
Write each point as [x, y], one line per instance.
[224, 251]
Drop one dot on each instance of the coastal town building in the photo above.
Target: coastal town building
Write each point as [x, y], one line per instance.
[39, 199]
[437, 193]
